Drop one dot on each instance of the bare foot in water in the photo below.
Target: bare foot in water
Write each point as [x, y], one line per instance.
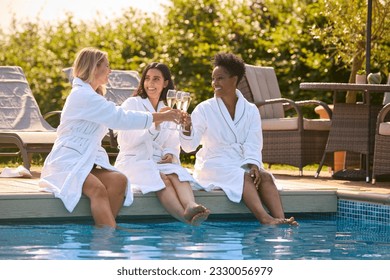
[191, 211]
[196, 214]
[278, 221]
[200, 218]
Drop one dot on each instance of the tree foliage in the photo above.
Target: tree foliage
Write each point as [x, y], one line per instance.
[343, 33]
[304, 40]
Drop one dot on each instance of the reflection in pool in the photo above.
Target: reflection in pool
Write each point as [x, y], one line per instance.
[316, 238]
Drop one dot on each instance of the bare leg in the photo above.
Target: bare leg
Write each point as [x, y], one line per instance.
[115, 184]
[170, 201]
[183, 190]
[271, 198]
[193, 212]
[270, 195]
[94, 189]
[253, 202]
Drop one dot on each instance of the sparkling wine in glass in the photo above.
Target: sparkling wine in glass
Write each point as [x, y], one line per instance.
[178, 104]
[171, 101]
[185, 103]
[171, 98]
[178, 99]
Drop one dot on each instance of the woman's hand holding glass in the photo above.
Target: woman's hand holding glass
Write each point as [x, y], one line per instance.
[185, 100]
[186, 123]
[182, 101]
[171, 115]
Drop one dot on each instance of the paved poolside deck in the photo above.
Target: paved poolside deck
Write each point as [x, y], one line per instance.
[21, 200]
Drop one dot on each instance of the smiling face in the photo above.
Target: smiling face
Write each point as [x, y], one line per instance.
[222, 82]
[102, 72]
[154, 83]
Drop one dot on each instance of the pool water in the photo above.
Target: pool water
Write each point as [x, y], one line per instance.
[326, 238]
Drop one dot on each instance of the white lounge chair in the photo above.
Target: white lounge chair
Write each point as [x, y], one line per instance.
[22, 126]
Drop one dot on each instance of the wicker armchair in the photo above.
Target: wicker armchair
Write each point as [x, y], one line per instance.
[295, 141]
[381, 165]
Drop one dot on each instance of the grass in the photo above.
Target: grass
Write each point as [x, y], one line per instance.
[186, 162]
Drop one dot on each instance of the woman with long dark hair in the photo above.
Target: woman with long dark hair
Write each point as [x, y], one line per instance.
[150, 157]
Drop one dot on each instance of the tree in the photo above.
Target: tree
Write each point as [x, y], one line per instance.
[344, 33]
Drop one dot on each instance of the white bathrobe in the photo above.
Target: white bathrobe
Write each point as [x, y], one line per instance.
[141, 150]
[228, 146]
[85, 120]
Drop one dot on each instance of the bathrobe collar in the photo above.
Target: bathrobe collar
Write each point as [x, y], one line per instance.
[148, 105]
[239, 113]
[79, 82]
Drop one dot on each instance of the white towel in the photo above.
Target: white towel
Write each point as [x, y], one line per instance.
[20, 171]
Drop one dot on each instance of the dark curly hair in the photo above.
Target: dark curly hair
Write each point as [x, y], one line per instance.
[233, 64]
[167, 77]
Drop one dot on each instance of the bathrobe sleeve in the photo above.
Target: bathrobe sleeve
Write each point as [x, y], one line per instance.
[228, 144]
[199, 124]
[87, 105]
[253, 143]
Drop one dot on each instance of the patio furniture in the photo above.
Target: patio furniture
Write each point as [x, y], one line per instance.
[381, 162]
[295, 141]
[352, 127]
[121, 85]
[22, 126]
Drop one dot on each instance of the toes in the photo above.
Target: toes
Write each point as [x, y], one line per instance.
[200, 218]
[190, 213]
[290, 221]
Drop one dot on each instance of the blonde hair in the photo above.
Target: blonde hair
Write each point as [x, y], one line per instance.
[84, 67]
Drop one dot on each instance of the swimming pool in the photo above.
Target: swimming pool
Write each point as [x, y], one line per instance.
[319, 237]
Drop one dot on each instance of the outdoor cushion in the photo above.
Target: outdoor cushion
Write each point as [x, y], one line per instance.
[384, 128]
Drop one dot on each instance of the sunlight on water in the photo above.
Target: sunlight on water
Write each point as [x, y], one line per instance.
[218, 240]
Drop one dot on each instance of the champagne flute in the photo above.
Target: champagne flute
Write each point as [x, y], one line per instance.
[171, 98]
[178, 104]
[171, 101]
[178, 99]
[185, 103]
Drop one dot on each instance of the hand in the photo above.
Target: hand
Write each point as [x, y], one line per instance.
[175, 115]
[186, 121]
[167, 158]
[164, 109]
[167, 114]
[255, 175]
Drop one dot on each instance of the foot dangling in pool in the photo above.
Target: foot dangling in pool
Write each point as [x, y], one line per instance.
[200, 218]
[196, 214]
[280, 221]
[193, 210]
[290, 221]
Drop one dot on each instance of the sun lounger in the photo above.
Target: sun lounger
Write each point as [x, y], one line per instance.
[22, 126]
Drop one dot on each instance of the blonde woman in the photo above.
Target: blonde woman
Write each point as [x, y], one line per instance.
[77, 163]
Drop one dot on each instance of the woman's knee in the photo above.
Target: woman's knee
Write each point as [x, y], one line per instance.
[119, 181]
[95, 190]
[120, 178]
[167, 181]
[266, 176]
